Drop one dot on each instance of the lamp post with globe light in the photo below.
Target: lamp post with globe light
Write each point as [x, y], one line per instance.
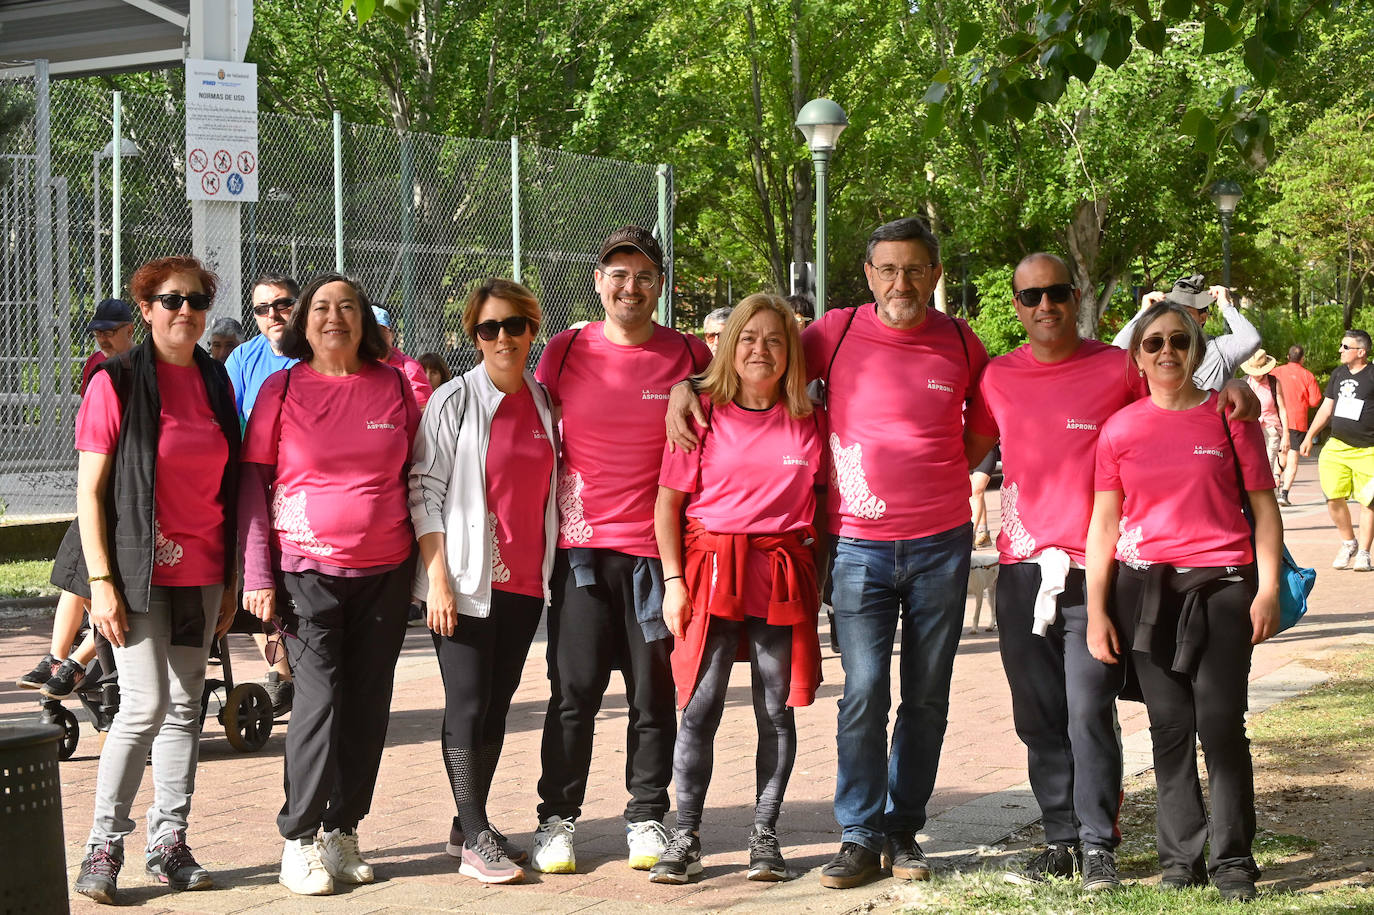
[821, 121]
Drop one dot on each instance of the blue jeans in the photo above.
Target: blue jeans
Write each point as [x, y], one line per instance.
[923, 582]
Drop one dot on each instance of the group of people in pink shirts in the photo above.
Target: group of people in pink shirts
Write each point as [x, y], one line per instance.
[668, 513]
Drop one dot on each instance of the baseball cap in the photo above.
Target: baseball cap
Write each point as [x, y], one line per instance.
[640, 239]
[1191, 291]
[111, 313]
[382, 315]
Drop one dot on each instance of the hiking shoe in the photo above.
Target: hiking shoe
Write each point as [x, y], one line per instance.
[984, 539]
[1099, 870]
[343, 861]
[302, 869]
[100, 873]
[1348, 550]
[281, 692]
[1235, 886]
[484, 860]
[41, 673]
[64, 680]
[905, 857]
[852, 866]
[647, 840]
[679, 860]
[553, 847]
[1361, 561]
[1057, 862]
[1283, 498]
[172, 863]
[1180, 878]
[765, 856]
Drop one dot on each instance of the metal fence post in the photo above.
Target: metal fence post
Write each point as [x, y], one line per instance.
[408, 240]
[116, 281]
[338, 193]
[665, 301]
[515, 208]
[43, 283]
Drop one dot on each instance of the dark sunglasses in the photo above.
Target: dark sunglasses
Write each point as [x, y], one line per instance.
[1180, 342]
[1059, 294]
[285, 303]
[172, 301]
[515, 325]
[275, 649]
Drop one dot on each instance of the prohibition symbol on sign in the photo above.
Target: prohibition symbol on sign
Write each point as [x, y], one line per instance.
[209, 183]
[223, 161]
[247, 162]
[198, 160]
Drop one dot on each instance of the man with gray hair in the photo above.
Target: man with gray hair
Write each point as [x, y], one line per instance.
[225, 335]
[1223, 353]
[713, 324]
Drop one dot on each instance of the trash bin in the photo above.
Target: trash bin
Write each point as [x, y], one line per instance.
[33, 855]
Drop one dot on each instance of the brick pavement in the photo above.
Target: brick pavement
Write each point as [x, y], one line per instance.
[980, 796]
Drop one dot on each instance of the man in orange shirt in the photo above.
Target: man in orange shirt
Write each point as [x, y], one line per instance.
[1300, 393]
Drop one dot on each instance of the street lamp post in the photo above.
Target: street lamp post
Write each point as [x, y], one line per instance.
[1227, 194]
[127, 147]
[821, 121]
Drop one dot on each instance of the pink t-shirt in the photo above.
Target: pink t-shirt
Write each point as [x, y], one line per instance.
[89, 368]
[188, 516]
[895, 410]
[415, 374]
[756, 472]
[1175, 471]
[340, 446]
[1048, 416]
[519, 464]
[1269, 405]
[614, 401]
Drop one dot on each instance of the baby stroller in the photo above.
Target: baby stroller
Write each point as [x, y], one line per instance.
[245, 709]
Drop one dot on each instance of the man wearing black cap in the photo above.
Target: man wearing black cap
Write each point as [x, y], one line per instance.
[1223, 353]
[112, 326]
[610, 380]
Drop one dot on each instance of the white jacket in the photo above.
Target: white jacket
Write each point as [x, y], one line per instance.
[448, 485]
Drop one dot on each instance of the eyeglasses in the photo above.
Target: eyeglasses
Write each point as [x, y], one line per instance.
[620, 278]
[1179, 342]
[285, 303]
[888, 272]
[275, 649]
[515, 326]
[1347, 346]
[1059, 294]
[172, 301]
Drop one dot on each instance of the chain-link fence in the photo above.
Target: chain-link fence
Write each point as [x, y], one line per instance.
[424, 218]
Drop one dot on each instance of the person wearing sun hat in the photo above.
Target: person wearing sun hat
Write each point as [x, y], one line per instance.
[1259, 376]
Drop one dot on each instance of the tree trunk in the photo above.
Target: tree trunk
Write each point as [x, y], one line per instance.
[1083, 238]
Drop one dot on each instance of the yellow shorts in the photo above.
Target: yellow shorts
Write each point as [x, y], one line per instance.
[1347, 471]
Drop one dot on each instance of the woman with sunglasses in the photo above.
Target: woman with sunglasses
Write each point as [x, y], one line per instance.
[483, 501]
[739, 570]
[323, 509]
[1175, 577]
[153, 550]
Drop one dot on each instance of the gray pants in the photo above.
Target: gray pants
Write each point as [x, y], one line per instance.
[160, 688]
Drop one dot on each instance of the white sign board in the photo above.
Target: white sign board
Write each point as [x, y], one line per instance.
[221, 131]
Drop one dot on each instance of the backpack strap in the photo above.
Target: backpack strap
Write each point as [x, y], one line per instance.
[853, 311]
[558, 376]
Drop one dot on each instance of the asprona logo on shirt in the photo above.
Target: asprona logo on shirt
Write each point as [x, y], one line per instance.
[540, 434]
[791, 460]
[373, 424]
[1203, 449]
[934, 385]
[1080, 424]
[647, 394]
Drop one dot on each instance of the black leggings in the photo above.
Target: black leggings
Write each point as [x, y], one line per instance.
[770, 661]
[481, 665]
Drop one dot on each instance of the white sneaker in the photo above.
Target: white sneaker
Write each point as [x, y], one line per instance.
[553, 847]
[1362, 562]
[302, 871]
[339, 852]
[647, 841]
[1348, 550]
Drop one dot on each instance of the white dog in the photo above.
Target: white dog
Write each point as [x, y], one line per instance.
[982, 586]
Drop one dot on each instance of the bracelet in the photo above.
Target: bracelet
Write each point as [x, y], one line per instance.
[95, 578]
[670, 578]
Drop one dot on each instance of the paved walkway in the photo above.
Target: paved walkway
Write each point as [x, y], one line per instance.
[980, 798]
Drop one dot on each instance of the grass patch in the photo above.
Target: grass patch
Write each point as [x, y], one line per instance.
[26, 578]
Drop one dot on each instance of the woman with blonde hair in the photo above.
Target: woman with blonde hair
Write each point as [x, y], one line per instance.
[739, 569]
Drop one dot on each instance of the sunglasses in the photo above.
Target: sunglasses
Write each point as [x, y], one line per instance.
[1179, 342]
[172, 301]
[515, 326]
[1059, 294]
[278, 305]
[275, 649]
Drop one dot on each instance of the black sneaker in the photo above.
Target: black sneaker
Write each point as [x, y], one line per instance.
[41, 673]
[100, 873]
[905, 857]
[1180, 878]
[416, 616]
[1056, 862]
[1099, 871]
[64, 680]
[1283, 498]
[765, 856]
[281, 692]
[681, 859]
[1235, 886]
[173, 864]
[853, 866]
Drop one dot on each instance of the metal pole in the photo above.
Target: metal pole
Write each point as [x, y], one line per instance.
[821, 158]
[95, 207]
[338, 193]
[664, 239]
[116, 224]
[64, 291]
[1226, 249]
[44, 289]
[408, 235]
[515, 208]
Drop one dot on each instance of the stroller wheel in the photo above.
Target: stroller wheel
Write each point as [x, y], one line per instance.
[247, 717]
[71, 730]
